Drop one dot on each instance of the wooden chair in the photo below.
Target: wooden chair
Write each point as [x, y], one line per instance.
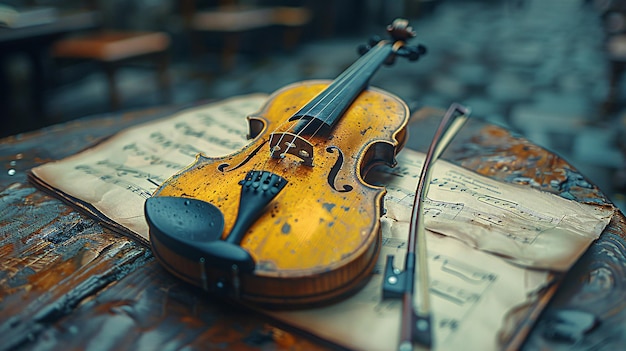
[114, 48]
[231, 20]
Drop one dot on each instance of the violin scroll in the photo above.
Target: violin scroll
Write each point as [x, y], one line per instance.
[412, 53]
[400, 32]
[399, 29]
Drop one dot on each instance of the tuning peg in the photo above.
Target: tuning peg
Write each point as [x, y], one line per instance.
[416, 52]
[374, 40]
[421, 49]
[390, 60]
[363, 49]
[412, 53]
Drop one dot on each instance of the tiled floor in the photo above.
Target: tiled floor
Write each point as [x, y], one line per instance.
[536, 67]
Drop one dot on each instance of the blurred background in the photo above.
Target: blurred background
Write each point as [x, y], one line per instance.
[550, 70]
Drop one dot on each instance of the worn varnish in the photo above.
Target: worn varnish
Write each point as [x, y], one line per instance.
[321, 239]
[68, 283]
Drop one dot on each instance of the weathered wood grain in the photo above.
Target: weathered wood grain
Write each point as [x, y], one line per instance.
[66, 282]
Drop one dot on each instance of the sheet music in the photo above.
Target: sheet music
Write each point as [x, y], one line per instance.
[472, 294]
[531, 228]
[472, 291]
[117, 176]
[535, 229]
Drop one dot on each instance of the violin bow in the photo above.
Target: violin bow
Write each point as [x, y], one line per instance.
[416, 321]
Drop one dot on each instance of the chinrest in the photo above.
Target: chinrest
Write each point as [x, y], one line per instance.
[193, 228]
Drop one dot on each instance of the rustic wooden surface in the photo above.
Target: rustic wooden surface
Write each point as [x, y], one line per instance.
[66, 282]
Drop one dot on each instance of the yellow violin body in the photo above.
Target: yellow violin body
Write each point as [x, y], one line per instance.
[319, 238]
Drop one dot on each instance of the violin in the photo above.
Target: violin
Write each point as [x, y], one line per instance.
[289, 219]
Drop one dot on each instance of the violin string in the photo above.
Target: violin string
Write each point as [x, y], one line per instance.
[338, 83]
[369, 64]
[350, 75]
[341, 83]
[351, 204]
[396, 46]
[337, 87]
[334, 97]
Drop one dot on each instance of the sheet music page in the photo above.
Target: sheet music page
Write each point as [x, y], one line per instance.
[468, 211]
[115, 178]
[471, 294]
[529, 227]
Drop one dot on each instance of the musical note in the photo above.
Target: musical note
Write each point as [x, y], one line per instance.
[453, 293]
[516, 208]
[450, 323]
[115, 180]
[480, 202]
[393, 242]
[122, 170]
[150, 158]
[158, 138]
[188, 130]
[462, 270]
[212, 121]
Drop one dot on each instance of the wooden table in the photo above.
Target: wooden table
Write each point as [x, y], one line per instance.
[68, 283]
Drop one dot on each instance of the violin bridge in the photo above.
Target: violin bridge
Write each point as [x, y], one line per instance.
[289, 143]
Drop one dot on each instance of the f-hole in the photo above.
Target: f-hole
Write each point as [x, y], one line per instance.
[334, 171]
[222, 167]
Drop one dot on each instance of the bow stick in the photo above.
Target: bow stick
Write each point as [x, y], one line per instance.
[416, 321]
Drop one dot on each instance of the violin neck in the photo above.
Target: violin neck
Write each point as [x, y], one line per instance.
[328, 107]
